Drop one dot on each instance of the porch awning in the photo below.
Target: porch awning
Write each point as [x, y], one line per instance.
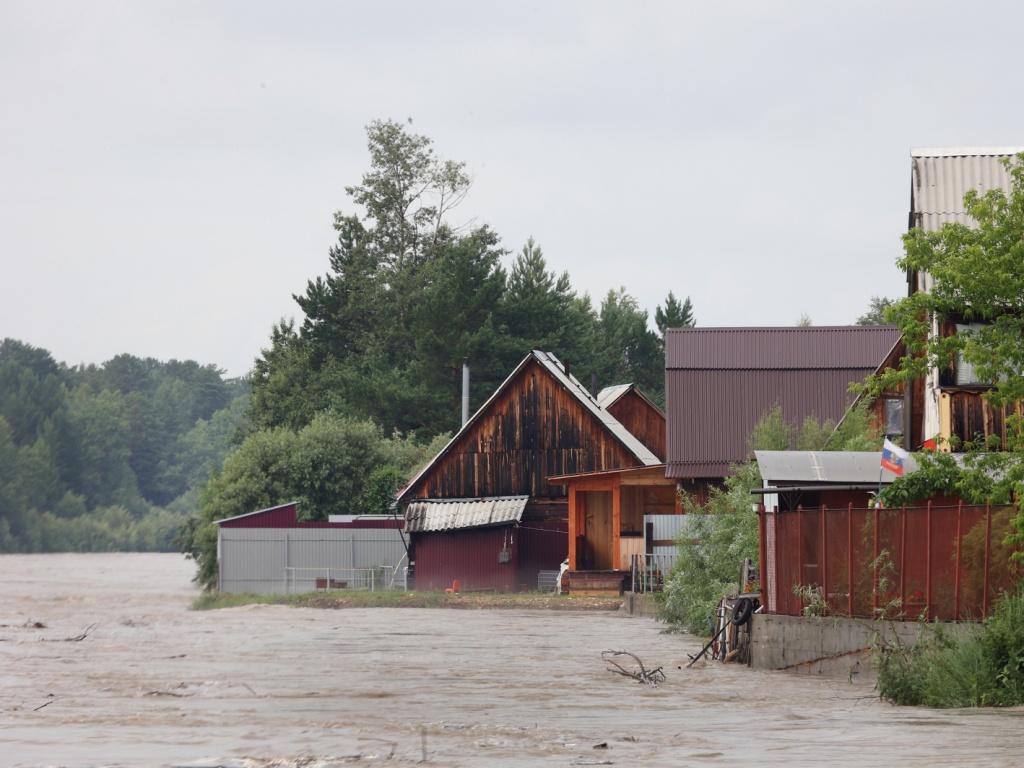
[424, 515]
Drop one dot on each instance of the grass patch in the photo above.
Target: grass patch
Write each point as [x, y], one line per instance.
[394, 599]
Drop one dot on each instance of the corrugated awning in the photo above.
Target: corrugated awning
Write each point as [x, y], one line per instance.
[846, 467]
[423, 515]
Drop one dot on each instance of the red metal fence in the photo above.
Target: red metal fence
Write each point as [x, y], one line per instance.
[946, 563]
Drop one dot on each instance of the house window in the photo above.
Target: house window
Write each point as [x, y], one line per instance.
[965, 376]
[893, 416]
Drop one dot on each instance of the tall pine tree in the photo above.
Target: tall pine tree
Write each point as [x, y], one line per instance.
[674, 314]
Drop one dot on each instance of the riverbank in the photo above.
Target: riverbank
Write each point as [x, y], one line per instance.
[338, 599]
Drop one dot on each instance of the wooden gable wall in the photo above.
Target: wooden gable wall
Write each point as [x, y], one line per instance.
[533, 430]
[642, 419]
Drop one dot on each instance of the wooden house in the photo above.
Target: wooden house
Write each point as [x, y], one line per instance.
[948, 405]
[483, 511]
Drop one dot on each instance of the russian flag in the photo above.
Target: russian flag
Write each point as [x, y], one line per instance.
[893, 457]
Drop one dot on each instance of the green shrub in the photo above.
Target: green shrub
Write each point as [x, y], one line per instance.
[902, 668]
[981, 670]
[712, 548]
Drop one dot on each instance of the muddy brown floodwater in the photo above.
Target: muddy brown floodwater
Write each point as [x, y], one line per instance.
[153, 683]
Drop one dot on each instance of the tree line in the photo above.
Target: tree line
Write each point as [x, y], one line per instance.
[107, 456]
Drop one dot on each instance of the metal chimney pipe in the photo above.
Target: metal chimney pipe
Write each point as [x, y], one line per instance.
[465, 391]
[593, 384]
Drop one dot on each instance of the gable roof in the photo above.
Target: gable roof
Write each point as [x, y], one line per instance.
[256, 512]
[608, 396]
[941, 176]
[721, 381]
[790, 347]
[553, 366]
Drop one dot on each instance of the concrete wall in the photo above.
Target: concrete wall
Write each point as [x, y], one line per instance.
[830, 646]
[636, 604]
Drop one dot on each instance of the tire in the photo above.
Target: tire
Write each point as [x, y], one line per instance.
[742, 611]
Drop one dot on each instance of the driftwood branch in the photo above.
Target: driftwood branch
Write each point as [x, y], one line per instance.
[640, 673]
[76, 639]
[80, 637]
[45, 703]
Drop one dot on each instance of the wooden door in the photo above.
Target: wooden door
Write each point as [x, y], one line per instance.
[598, 528]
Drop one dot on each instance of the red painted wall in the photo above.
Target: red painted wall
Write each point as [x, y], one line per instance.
[471, 556]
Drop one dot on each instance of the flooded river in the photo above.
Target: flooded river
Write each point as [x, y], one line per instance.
[153, 683]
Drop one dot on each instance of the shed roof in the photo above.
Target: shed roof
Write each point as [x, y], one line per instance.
[842, 467]
[721, 381]
[941, 176]
[256, 512]
[572, 385]
[424, 515]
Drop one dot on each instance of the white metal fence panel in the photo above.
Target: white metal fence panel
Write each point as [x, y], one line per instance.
[280, 560]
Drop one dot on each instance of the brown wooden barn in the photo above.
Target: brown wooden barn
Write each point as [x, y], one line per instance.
[483, 511]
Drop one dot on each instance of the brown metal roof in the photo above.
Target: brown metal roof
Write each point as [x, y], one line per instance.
[720, 381]
[815, 347]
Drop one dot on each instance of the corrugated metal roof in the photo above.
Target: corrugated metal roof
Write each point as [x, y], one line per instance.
[721, 381]
[572, 385]
[451, 514]
[788, 348]
[940, 178]
[628, 439]
[609, 395]
[824, 467]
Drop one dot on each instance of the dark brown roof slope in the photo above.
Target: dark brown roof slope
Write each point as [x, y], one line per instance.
[720, 381]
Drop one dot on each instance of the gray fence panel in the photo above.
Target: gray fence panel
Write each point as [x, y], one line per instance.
[272, 560]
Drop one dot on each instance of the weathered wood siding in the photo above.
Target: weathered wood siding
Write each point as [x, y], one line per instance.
[643, 420]
[974, 419]
[534, 430]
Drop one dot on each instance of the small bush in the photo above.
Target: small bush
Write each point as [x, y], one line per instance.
[982, 670]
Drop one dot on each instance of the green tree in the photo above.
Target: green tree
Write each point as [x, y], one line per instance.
[674, 314]
[406, 298]
[332, 465]
[626, 350]
[876, 311]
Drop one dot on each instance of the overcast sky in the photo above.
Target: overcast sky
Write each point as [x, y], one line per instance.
[168, 171]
